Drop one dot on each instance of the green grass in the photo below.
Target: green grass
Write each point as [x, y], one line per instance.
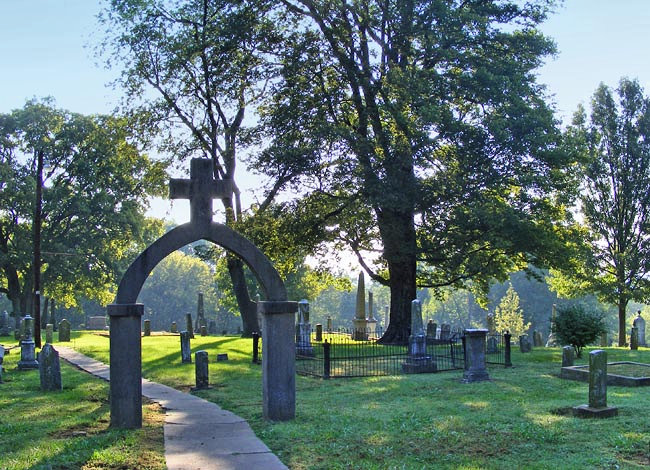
[69, 429]
[517, 420]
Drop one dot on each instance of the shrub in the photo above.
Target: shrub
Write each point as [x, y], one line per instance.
[578, 327]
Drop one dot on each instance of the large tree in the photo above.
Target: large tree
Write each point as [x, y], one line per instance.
[96, 184]
[615, 141]
[192, 69]
[420, 135]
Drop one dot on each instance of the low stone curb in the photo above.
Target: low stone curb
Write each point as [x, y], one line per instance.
[199, 435]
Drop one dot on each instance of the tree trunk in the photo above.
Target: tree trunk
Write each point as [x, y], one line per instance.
[622, 307]
[398, 236]
[247, 307]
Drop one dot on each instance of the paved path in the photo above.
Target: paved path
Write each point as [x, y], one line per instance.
[199, 435]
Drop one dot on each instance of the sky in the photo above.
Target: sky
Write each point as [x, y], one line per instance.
[47, 49]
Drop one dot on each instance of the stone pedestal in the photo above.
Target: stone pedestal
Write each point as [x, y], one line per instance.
[417, 361]
[475, 365]
[27, 347]
[201, 370]
[278, 359]
[597, 407]
[126, 365]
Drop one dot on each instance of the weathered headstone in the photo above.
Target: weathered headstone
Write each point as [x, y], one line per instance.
[64, 331]
[200, 313]
[432, 329]
[204, 330]
[201, 369]
[147, 328]
[319, 332]
[212, 327]
[303, 330]
[222, 357]
[329, 324]
[27, 347]
[639, 323]
[360, 322]
[96, 323]
[445, 332]
[186, 354]
[634, 338]
[188, 324]
[537, 339]
[525, 345]
[475, 361]
[418, 361]
[603, 340]
[4, 324]
[567, 356]
[2, 358]
[597, 407]
[173, 328]
[492, 345]
[49, 368]
[49, 333]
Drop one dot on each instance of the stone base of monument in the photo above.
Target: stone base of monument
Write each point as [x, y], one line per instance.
[586, 411]
[471, 376]
[27, 356]
[419, 365]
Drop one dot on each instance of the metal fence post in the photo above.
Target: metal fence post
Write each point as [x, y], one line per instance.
[256, 351]
[506, 339]
[326, 359]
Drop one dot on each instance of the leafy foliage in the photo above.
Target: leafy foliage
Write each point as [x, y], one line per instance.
[96, 187]
[508, 316]
[615, 143]
[578, 327]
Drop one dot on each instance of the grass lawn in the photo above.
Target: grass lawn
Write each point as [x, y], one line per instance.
[69, 429]
[517, 420]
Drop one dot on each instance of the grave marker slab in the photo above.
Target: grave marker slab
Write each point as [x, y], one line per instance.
[201, 370]
[186, 354]
[597, 407]
[49, 368]
[64, 331]
[567, 356]
[639, 323]
[475, 362]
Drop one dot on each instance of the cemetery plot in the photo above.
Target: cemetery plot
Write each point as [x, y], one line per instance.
[624, 373]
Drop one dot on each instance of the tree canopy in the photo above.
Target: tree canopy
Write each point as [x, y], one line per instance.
[417, 131]
[614, 141]
[96, 187]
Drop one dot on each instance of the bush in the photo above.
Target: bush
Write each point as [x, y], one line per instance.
[578, 327]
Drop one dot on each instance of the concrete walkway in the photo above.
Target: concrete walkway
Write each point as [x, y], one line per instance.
[199, 435]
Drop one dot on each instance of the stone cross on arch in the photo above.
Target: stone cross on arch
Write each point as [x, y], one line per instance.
[200, 189]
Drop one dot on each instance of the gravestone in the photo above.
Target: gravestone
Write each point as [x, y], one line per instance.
[64, 331]
[200, 313]
[329, 324]
[639, 323]
[525, 346]
[4, 324]
[27, 347]
[432, 329]
[2, 358]
[188, 325]
[147, 328]
[567, 356]
[49, 368]
[492, 345]
[222, 357]
[371, 320]
[360, 332]
[417, 360]
[551, 342]
[204, 330]
[49, 333]
[173, 328]
[603, 340]
[201, 370]
[475, 361]
[597, 407]
[212, 327]
[445, 332]
[303, 330]
[634, 339]
[537, 339]
[319, 332]
[96, 323]
[186, 354]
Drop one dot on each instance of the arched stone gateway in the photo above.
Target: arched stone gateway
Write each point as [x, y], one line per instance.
[278, 356]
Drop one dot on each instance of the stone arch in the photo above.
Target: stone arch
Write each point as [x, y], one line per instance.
[137, 273]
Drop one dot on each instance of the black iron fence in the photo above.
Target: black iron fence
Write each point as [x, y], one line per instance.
[347, 353]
